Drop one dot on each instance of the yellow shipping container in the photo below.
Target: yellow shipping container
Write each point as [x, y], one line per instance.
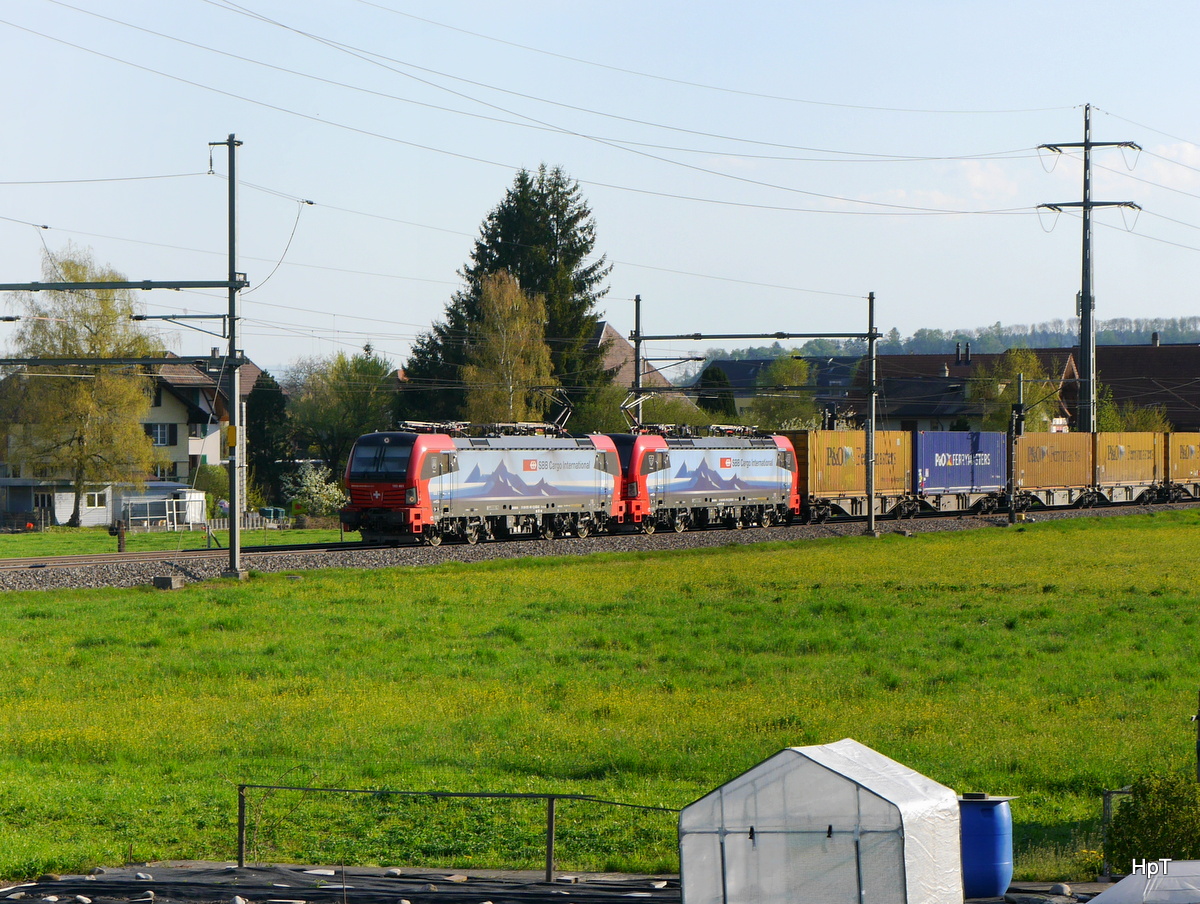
[1051, 460]
[1183, 457]
[833, 462]
[1129, 459]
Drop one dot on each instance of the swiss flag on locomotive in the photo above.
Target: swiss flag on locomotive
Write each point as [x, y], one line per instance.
[726, 462]
[530, 464]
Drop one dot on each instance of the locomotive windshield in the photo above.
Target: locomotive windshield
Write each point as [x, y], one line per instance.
[624, 443]
[381, 457]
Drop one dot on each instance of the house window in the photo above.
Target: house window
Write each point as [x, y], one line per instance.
[156, 398]
[166, 470]
[163, 434]
[96, 500]
[43, 500]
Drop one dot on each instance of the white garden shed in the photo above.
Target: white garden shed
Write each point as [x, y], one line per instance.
[830, 823]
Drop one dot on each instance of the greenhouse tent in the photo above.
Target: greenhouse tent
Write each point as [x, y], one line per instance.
[1177, 882]
[831, 823]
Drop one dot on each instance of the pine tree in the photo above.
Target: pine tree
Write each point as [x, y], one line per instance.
[543, 235]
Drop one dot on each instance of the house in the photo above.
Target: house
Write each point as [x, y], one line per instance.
[831, 380]
[932, 392]
[618, 359]
[1150, 376]
[188, 409]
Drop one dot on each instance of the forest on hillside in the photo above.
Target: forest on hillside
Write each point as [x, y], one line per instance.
[988, 339]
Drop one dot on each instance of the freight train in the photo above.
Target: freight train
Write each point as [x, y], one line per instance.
[431, 483]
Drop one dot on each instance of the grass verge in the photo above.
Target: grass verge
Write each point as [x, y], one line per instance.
[1049, 661]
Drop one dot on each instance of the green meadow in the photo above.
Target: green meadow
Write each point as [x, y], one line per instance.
[66, 541]
[1048, 661]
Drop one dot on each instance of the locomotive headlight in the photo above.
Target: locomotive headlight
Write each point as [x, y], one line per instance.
[411, 496]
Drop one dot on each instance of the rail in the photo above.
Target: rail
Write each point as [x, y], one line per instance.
[550, 799]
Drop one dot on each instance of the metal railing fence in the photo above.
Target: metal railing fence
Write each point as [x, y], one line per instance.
[550, 799]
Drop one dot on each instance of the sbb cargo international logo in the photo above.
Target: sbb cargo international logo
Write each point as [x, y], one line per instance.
[726, 462]
[530, 464]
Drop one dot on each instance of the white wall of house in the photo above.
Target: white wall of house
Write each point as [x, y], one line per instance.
[167, 426]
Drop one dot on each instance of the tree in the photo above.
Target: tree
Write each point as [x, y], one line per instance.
[996, 391]
[1161, 818]
[314, 488]
[337, 399]
[82, 422]
[508, 359]
[543, 234]
[716, 393]
[268, 433]
[783, 401]
[1114, 417]
[213, 481]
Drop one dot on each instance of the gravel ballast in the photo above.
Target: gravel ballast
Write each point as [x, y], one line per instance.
[192, 568]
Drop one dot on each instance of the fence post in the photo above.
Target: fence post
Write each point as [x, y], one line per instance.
[241, 841]
[550, 838]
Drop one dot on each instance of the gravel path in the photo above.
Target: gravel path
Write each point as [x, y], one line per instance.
[190, 569]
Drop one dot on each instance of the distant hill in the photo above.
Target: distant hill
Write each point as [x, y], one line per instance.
[989, 339]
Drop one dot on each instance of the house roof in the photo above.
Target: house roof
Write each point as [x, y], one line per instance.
[194, 376]
[618, 357]
[1152, 375]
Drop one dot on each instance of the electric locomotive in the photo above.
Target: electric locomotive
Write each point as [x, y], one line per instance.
[430, 486]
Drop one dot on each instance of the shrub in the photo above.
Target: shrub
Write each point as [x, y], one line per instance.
[1160, 819]
[313, 487]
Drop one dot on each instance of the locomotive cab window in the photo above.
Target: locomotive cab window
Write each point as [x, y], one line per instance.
[654, 461]
[380, 461]
[438, 463]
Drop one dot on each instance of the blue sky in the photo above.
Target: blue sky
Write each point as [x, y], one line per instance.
[751, 168]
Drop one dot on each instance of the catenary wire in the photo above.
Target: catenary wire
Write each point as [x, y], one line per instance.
[847, 156]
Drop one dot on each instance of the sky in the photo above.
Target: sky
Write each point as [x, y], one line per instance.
[755, 167]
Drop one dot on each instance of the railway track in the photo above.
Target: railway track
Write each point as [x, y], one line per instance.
[220, 554]
[133, 569]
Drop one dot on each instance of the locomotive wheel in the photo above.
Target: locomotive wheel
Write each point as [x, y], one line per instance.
[680, 523]
[648, 526]
[472, 534]
[546, 531]
[582, 529]
[433, 538]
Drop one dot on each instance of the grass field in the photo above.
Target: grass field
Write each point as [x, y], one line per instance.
[1049, 661]
[65, 541]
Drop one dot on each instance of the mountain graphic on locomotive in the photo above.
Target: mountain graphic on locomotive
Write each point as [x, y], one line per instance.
[409, 484]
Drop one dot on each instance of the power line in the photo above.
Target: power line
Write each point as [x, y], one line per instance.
[368, 56]
[724, 89]
[854, 156]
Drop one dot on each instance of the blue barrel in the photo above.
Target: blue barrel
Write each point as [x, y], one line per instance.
[987, 846]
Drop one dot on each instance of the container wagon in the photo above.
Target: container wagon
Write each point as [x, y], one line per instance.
[960, 472]
[1130, 467]
[1053, 469]
[1183, 466]
[833, 473]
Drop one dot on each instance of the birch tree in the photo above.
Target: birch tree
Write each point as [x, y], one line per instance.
[82, 423]
[509, 359]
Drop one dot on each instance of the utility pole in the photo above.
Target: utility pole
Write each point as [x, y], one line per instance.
[637, 354]
[1087, 303]
[236, 442]
[872, 342]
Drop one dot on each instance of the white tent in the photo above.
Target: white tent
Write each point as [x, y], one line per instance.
[1177, 882]
[830, 823]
